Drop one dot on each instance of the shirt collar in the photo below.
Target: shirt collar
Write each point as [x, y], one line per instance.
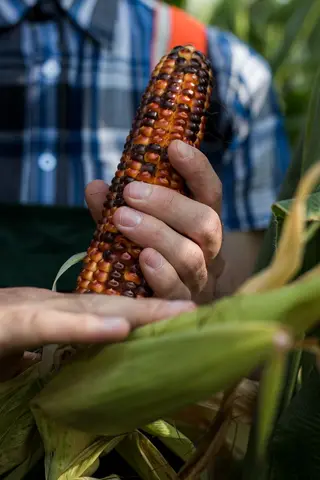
[97, 17]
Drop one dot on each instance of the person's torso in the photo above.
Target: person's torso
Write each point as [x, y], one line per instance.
[68, 95]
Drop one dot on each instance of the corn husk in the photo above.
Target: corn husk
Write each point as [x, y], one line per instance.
[110, 390]
[144, 458]
[19, 437]
[71, 453]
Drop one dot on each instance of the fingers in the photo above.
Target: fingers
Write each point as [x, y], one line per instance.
[162, 277]
[30, 327]
[72, 318]
[195, 168]
[95, 195]
[136, 312]
[186, 216]
[185, 256]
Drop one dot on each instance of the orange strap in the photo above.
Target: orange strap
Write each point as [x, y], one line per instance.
[172, 27]
[186, 29]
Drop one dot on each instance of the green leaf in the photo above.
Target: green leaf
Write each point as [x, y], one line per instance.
[294, 449]
[172, 438]
[21, 471]
[145, 459]
[311, 147]
[78, 257]
[98, 392]
[270, 391]
[70, 453]
[18, 435]
[282, 209]
[300, 25]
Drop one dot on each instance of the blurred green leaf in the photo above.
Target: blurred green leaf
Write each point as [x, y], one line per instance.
[282, 208]
[311, 148]
[270, 391]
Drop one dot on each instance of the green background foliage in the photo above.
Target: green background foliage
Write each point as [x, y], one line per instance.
[285, 32]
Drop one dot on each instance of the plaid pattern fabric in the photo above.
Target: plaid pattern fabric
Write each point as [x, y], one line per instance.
[71, 81]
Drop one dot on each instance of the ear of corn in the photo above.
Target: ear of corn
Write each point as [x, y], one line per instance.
[173, 107]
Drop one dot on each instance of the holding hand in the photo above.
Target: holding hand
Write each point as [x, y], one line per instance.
[181, 236]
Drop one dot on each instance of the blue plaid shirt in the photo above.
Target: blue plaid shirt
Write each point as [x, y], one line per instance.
[71, 81]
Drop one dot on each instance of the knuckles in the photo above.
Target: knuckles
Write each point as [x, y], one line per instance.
[196, 274]
[209, 230]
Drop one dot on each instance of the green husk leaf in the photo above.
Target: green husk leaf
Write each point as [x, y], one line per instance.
[172, 438]
[71, 453]
[48, 351]
[20, 472]
[111, 477]
[145, 458]
[78, 257]
[98, 392]
[18, 434]
[270, 394]
[295, 305]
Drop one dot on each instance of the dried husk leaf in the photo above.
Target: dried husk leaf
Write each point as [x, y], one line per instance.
[18, 433]
[289, 254]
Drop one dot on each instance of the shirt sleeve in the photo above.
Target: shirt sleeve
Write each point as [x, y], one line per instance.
[254, 161]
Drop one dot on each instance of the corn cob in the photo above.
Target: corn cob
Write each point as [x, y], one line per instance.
[173, 107]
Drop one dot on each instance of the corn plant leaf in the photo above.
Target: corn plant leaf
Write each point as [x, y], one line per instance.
[311, 145]
[172, 438]
[98, 392]
[140, 453]
[269, 396]
[301, 23]
[283, 208]
[294, 449]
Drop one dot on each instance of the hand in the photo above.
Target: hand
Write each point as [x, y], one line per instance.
[31, 317]
[181, 236]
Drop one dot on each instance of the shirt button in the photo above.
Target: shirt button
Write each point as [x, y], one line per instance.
[51, 69]
[47, 162]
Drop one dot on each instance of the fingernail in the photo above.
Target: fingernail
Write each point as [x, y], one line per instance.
[154, 260]
[114, 324]
[139, 190]
[181, 306]
[185, 150]
[129, 217]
